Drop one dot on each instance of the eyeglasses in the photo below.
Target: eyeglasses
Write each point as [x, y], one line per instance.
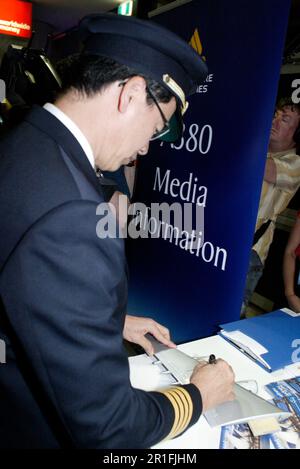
[166, 127]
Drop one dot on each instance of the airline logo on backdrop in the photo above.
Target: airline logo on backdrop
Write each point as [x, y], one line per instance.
[196, 44]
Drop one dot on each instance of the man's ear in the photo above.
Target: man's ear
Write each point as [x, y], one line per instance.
[133, 89]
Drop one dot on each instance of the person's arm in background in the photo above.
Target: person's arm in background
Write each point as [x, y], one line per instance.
[129, 172]
[289, 263]
[120, 199]
[283, 171]
[270, 174]
[135, 327]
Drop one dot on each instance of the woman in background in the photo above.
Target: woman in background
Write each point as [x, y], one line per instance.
[290, 271]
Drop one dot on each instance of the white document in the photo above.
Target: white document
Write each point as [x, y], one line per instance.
[290, 312]
[248, 345]
[246, 406]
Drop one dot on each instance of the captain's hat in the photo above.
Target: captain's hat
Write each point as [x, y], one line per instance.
[149, 49]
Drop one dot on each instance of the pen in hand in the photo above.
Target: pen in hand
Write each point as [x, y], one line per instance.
[212, 359]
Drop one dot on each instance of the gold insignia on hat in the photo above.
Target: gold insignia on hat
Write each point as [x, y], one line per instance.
[173, 86]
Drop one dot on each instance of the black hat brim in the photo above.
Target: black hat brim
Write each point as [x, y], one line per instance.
[176, 128]
[145, 46]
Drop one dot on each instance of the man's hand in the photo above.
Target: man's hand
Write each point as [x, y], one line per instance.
[270, 174]
[215, 383]
[294, 303]
[136, 327]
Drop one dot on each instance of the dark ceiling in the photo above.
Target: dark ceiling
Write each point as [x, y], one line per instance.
[292, 42]
[69, 12]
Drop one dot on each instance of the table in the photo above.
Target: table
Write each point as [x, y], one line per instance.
[145, 375]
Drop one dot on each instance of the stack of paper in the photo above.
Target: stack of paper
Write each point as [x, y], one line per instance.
[270, 339]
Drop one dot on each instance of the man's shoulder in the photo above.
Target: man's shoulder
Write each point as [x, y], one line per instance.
[25, 137]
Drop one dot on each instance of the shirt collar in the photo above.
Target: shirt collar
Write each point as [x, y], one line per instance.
[74, 129]
[290, 151]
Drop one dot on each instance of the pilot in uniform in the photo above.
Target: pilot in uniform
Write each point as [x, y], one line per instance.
[63, 290]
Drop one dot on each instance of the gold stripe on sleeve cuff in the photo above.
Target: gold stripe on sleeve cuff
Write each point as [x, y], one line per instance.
[183, 409]
[185, 396]
[182, 413]
[178, 413]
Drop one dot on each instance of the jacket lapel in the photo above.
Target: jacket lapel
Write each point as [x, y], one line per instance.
[51, 126]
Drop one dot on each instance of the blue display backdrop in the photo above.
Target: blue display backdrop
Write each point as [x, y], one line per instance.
[218, 166]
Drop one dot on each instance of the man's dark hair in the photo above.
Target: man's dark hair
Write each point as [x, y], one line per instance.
[90, 74]
[295, 107]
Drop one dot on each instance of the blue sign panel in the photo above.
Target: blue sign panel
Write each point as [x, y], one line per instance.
[193, 283]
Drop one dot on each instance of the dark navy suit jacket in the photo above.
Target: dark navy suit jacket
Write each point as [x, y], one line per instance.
[63, 301]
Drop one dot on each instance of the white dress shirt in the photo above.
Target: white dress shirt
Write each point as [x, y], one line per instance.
[74, 129]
